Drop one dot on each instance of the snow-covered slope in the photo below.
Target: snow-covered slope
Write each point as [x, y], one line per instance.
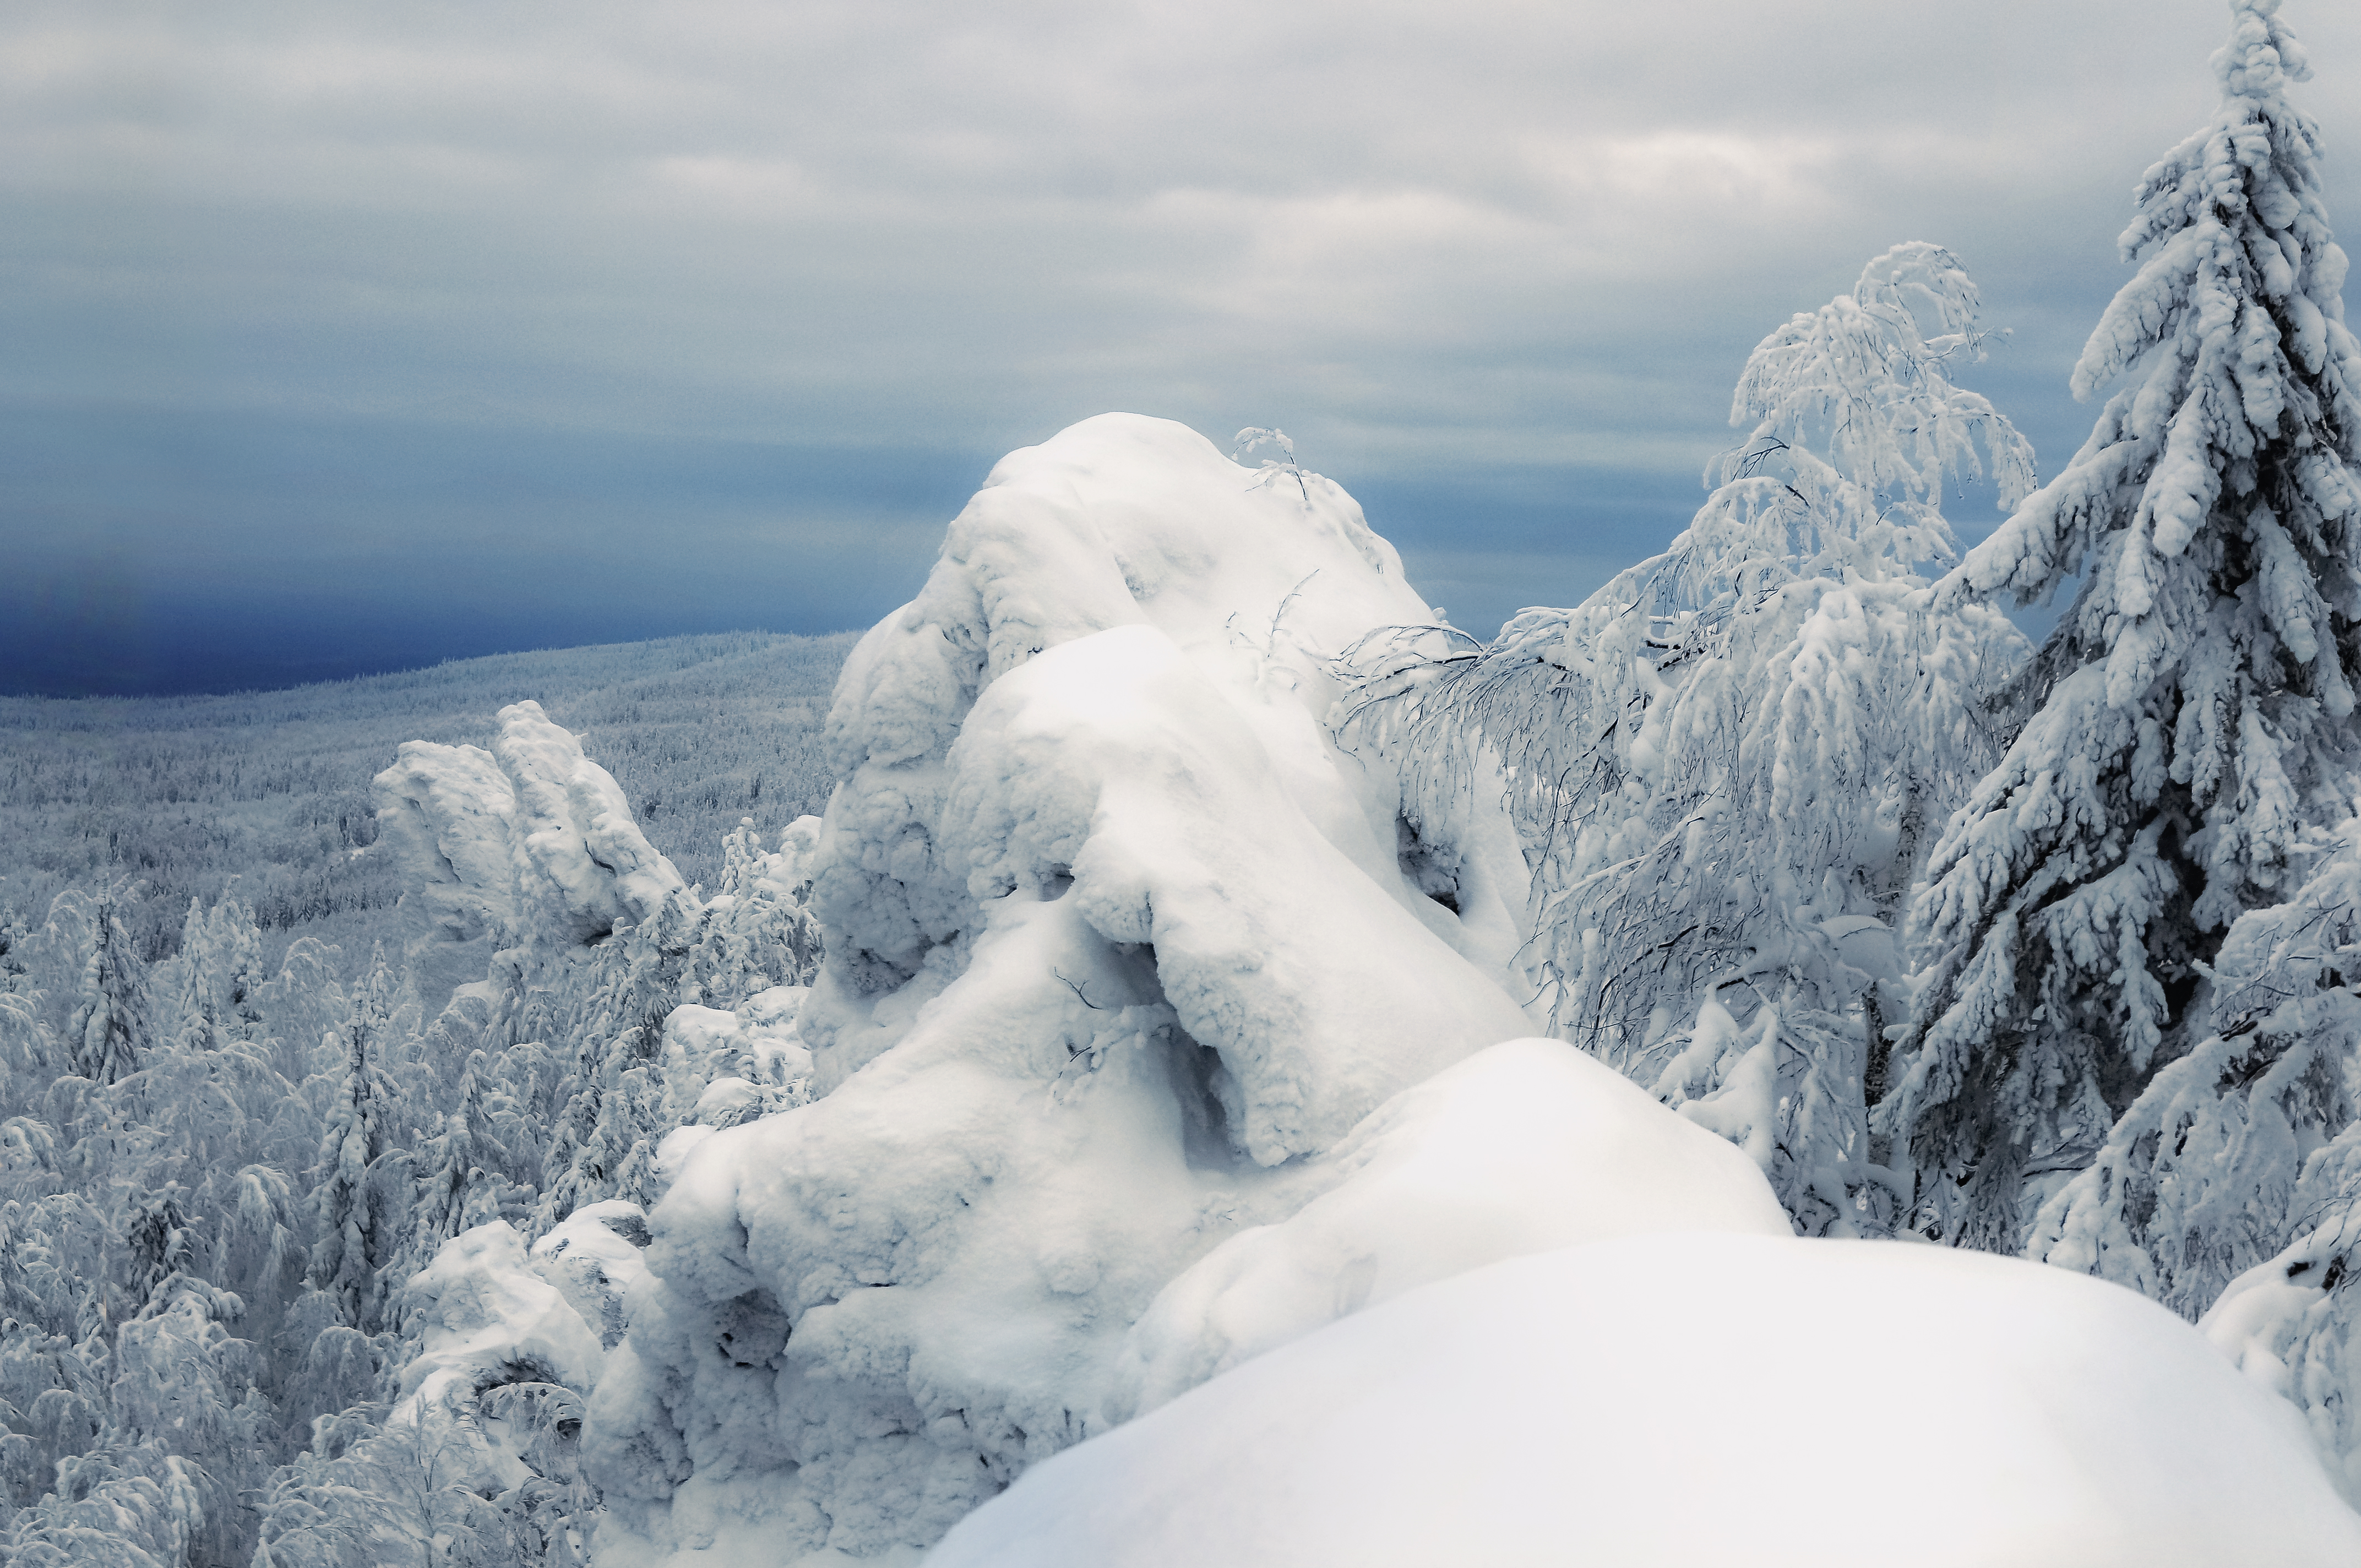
[1693, 1400]
[1120, 946]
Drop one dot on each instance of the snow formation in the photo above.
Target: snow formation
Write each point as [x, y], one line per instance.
[1157, 1034]
[491, 841]
[1120, 947]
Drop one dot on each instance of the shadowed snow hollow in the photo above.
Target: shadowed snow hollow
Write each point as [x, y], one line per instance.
[1120, 947]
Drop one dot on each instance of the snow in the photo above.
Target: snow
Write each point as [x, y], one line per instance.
[576, 828]
[1525, 1148]
[1703, 1398]
[2287, 1325]
[720, 1067]
[493, 846]
[447, 814]
[593, 1260]
[1119, 946]
[484, 1309]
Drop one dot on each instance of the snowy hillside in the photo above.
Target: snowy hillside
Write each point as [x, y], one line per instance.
[273, 787]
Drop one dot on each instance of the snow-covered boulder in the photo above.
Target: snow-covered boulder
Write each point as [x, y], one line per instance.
[575, 827]
[485, 1312]
[1707, 1399]
[447, 817]
[1119, 946]
[592, 1258]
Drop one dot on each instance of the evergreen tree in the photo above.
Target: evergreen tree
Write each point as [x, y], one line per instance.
[2194, 714]
[355, 1221]
[215, 980]
[107, 1033]
[1727, 761]
[2249, 1138]
[462, 1180]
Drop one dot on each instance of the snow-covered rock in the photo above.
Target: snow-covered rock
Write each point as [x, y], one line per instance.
[484, 1312]
[576, 829]
[592, 1258]
[447, 816]
[1681, 1400]
[1119, 946]
[495, 845]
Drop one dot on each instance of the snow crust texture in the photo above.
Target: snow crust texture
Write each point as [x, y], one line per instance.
[1683, 1399]
[1119, 949]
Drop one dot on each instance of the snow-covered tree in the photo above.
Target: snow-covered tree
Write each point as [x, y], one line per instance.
[2192, 715]
[210, 984]
[2235, 1148]
[106, 1032]
[463, 1179]
[357, 1218]
[1725, 762]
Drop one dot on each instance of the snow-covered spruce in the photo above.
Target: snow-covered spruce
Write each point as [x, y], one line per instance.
[1726, 763]
[2192, 715]
[2234, 1148]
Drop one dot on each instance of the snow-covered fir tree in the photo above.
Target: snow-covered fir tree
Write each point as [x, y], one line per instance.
[107, 1033]
[2192, 717]
[356, 1194]
[1728, 762]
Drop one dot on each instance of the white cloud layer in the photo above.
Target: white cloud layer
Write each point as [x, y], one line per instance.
[1431, 241]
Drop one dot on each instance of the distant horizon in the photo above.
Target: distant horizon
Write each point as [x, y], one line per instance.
[424, 666]
[350, 341]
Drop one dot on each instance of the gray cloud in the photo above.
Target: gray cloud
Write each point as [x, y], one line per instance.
[1495, 266]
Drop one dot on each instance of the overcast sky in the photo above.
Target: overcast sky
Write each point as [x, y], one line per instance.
[341, 337]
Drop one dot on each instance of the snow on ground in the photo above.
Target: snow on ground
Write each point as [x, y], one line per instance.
[1688, 1399]
[1119, 946]
[2289, 1327]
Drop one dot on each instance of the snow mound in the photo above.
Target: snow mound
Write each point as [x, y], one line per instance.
[1118, 946]
[2288, 1325]
[1703, 1398]
[592, 1257]
[1526, 1147]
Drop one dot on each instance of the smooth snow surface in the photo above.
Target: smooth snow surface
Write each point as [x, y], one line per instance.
[1119, 946]
[1525, 1148]
[1702, 1400]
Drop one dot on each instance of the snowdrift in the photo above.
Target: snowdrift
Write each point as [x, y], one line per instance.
[1687, 1400]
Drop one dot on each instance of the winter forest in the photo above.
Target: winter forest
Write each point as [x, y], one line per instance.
[1188, 1057]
